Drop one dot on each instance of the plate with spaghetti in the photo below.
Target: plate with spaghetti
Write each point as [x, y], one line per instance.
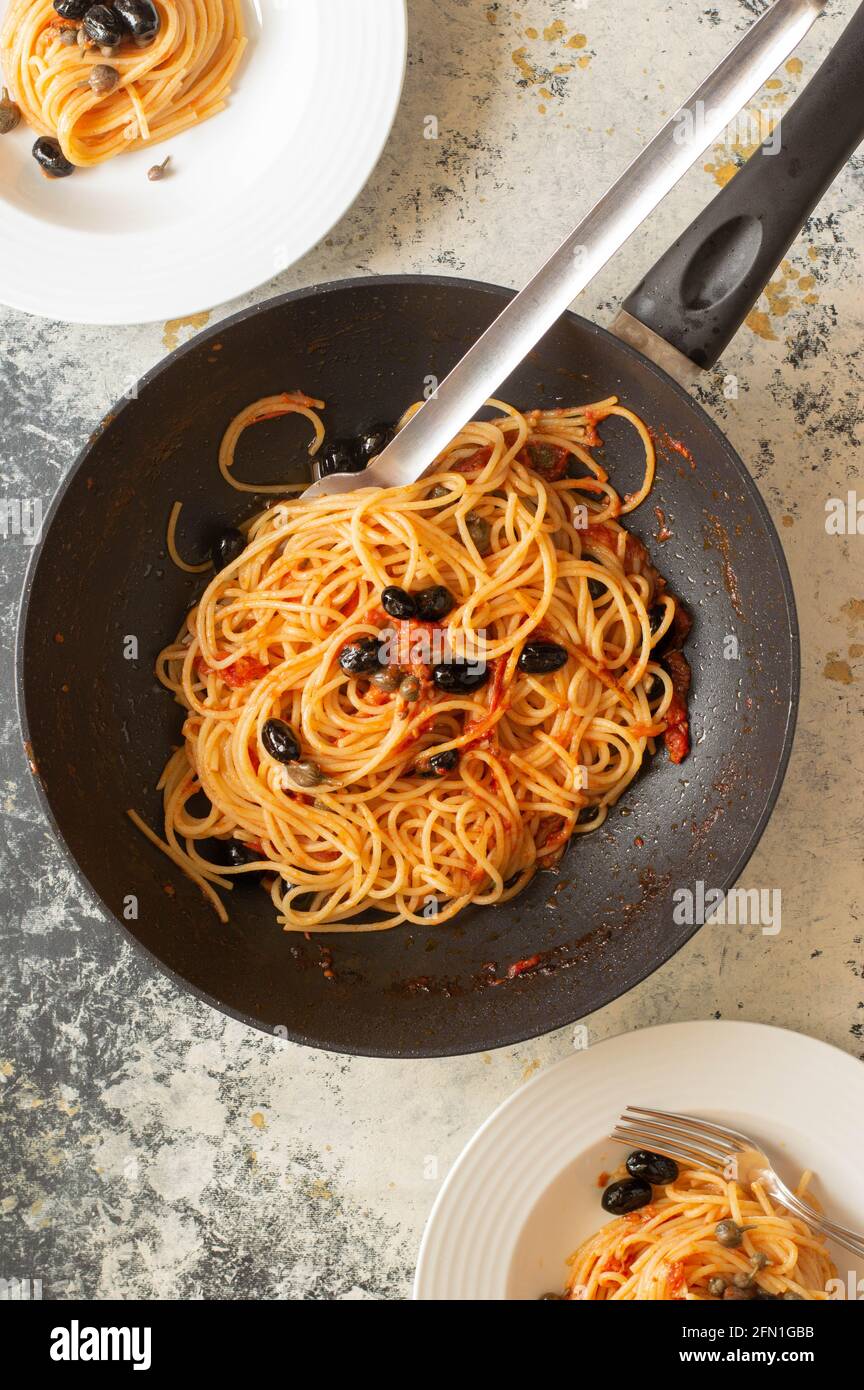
[174, 132]
[519, 1216]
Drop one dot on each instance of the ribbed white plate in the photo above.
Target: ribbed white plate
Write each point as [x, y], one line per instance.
[250, 191]
[524, 1193]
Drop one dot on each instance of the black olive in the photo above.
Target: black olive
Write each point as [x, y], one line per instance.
[280, 741]
[627, 1195]
[72, 9]
[231, 854]
[441, 763]
[656, 616]
[228, 545]
[340, 456]
[539, 658]
[596, 589]
[656, 1168]
[398, 602]
[103, 26]
[360, 657]
[434, 603]
[655, 689]
[50, 157]
[373, 440]
[139, 17]
[586, 814]
[460, 677]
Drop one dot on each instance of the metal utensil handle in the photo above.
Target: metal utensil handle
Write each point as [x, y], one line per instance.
[652, 174]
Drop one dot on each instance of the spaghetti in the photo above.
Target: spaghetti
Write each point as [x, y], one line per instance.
[425, 794]
[180, 78]
[670, 1250]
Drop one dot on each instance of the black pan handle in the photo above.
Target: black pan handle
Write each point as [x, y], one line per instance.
[699, 293]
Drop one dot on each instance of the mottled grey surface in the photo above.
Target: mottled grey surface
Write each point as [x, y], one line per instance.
[151, 1147]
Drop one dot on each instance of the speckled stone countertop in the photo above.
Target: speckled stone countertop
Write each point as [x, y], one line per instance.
[152, 1147]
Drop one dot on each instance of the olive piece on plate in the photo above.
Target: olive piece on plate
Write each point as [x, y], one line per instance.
[586, 814]
[51, 159]
[227, 547]
[232, 854]
[434, 604]
[629, 1194]
[656, 1168]
[72, 9]
[441, 763]
[540, 658]
[139, 18]
[656, 616]
[373, 440]
[596, 589]
[340, 456]
[460, 677]
[397, 602]
[280, 741]
[103, 26]
[10, 113]
[360, 657]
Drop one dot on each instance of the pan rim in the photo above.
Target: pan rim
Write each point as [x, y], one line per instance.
[631, 977]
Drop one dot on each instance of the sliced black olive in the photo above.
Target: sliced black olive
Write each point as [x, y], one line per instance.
[72, 9]
[340, 456]
[231, 854]
[656, 616]
[441, 763]
[103, 26]
[627, 1195]
[280, 741]
[227, 547]
[460, 677]
[398, 602]
[360, 657]
[539, 658]
[140, 18]
[50, 158]
[434, 604]
[655, 1168]
[596, 589]
[373, 440]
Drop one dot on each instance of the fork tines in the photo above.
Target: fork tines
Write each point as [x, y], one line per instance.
[677, 1136]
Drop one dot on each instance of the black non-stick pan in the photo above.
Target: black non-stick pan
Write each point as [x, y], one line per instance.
[99, 727]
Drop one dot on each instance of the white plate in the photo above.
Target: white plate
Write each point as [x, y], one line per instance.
[523, 1194]
[251, 190]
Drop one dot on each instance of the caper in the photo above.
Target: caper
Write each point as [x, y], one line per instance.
[741, 1280]
[480, 531]
[439, 490]
[717, 1286]
[730, 1234]
[409, 689]
[68, 35]
[790, 1297]
[760, 1260]
[157, 171]
[10, 113]
[304, 774]
[103, 79]
[387, 679]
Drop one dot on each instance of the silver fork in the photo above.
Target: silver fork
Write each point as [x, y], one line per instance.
[695, 1141]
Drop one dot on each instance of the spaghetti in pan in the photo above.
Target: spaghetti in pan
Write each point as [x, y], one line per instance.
[401, 702]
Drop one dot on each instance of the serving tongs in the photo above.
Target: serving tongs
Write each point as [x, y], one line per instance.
[653, 173]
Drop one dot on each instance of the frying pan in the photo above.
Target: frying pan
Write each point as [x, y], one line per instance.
[98, 727]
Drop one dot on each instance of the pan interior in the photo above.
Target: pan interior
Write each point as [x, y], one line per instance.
[103, 598]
